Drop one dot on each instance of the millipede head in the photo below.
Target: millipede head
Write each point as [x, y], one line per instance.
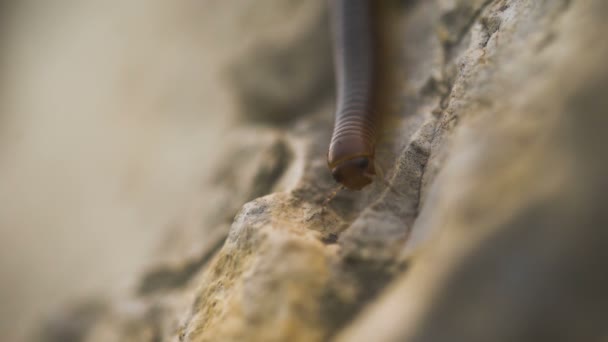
[354, 173]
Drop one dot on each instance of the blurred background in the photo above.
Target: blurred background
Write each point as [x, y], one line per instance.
[110, 116]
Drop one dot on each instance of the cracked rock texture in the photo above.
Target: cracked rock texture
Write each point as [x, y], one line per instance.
[493, 227]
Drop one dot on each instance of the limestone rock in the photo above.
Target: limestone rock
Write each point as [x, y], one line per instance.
[492, 228]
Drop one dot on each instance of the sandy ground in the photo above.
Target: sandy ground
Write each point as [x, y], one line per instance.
[111, 116]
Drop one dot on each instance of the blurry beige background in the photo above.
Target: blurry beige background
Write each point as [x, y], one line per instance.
[111, 112]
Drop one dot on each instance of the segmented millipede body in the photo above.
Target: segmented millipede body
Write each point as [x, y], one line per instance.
[351, 151]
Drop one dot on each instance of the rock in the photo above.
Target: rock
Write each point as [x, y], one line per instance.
[282, 78]
[490, 226]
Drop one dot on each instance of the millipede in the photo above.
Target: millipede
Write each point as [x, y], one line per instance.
[352, 147]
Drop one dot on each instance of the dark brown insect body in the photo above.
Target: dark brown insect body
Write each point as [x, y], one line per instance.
[351, 151]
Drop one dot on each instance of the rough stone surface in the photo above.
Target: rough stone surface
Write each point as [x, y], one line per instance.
[492, 227]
